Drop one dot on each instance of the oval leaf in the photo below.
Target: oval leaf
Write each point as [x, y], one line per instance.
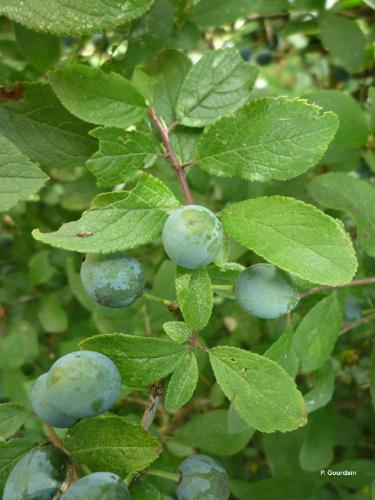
[294, 236]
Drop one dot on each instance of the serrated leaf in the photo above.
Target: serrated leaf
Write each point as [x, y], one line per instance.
[40, 268]
[128, 223]
[209, 432]
[194, 296]
[235, 423]
[121, 154]
[263, 394]
[182, 382]
[12, 417]
[10, 453]
[316, 335]
[111, 444]
[218, 12]
[44, 130]
[98, 97]
[73, 18]
[19, 345]
[141, 489]
[141, 360]
[344, 39]
[322, 391]
[283, 353]
[178, 331]
[318, 441]
[217, 85]
[270, 138]
[353, 196]
[294, 236]
[19, 176]
[52, 315]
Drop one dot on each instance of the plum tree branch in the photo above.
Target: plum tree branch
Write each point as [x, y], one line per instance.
[171, 155]
[318, 289]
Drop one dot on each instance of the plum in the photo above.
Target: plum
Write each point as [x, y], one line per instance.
[98, 486]
[202, 478]
[266, 292]
[192, 236]
[42, 406]
[38, 475]
[83, 384]
[114, 280]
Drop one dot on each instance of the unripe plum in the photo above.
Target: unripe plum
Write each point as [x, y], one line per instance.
[42, 406]
[202, 478]
[265, 292]
[114, 280]
[98, 486]
[83, 384]
[38, 475]
[192, 236]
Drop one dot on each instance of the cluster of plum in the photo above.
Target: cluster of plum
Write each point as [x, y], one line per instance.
[192, 238]
[79, 385]
[86, 383]
[45, 474]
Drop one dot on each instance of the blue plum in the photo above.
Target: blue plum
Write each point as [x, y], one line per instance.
[38, 475]
[266, 292]
[83, 384]
[202, 478]
[114, 280]
[192, 236]
[98, 486]
[42, 406]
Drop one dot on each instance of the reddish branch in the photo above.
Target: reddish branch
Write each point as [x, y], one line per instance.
[171, 155]
[318, 289]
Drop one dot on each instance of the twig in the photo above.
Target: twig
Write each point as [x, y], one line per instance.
[156, 393]
[164, 134]
[173, 476]
[318, 289]
[359, 322]
[158, 300]
[53, 437]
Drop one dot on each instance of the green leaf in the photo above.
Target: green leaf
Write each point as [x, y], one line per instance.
[111, 444]
[294, 236]
[178, 331]
[194, 296]
[281, 488]
[141, 360]
[353, 196]
[73, 18]
[235, 423]
[10, 453]
[318, 441]
[316, 335]
[353, 129]
[218, 12]
[217, 85]
[283, 353]
[141, 489]
[263, 394]
[372, 377]
[136, 220]
[52, 315]
[40, 268]
[44, 130]
[271, 138]
[121, 154]
[182, 382]
[98, 97]
[19, 345]
[209, 432]
[40, 49]
[322, 391]
[12, 417]
[345, 41]
[151, 34]
[19, 177]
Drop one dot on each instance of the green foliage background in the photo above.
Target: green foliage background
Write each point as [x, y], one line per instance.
[271, 109]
